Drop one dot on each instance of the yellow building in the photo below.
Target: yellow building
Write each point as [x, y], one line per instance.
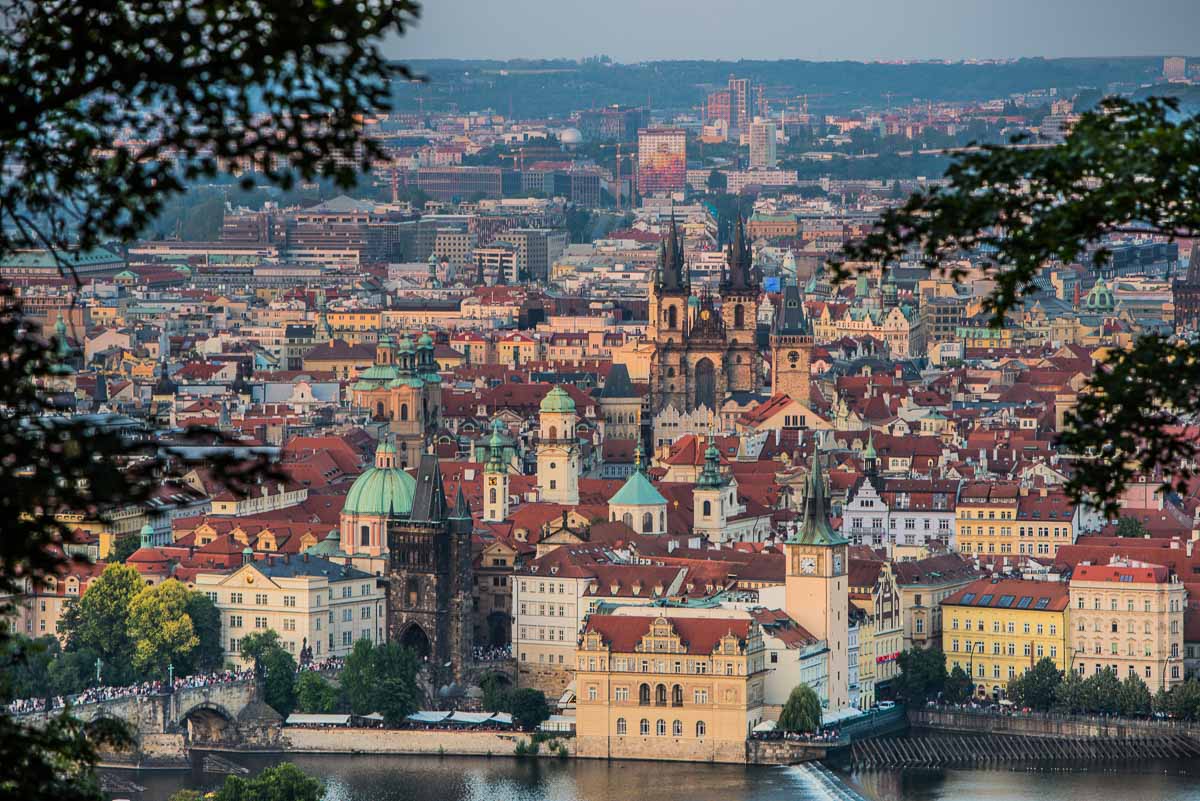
[356, 325]
[1129, 619]
[307, 600]
[517, 349]
[1010, 520]
[658, 687]
[998, 628]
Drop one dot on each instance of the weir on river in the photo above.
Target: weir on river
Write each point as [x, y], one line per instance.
[937, 751]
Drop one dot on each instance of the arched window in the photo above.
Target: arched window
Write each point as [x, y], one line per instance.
[672, 317]
[553, 432]
[660, 728]
[739, 316]
[492, 495]
[379, 409]
[404, 411]
[676, 695]
[627, 519]
[660, 695]
[364, 535]
[647, 523]
[644, 695]
[708, 508]
[677, 728]
[670, 372]
[412, 591]
[701, 729]
[644, 727]
[620, 725]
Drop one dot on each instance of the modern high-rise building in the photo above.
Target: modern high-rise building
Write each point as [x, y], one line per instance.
[739, 101]
[1175, 68]
[719, 108]
[662, 160]
[611, 124]
[762, 144]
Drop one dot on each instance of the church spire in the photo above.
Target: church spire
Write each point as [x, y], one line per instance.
[815, 528]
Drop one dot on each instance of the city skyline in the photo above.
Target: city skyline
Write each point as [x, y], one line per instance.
[920, 30]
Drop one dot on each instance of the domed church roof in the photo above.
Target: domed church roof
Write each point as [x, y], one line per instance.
[383, 490]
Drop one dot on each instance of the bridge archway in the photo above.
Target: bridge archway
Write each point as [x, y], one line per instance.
[100, 729]
[414, 637]
[206, 723]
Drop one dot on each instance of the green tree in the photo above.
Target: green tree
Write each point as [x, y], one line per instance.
[1183, 700]
[123, 547]
[72, 672]
[1070, 696]
[1035, 687]
[209, 653]
[396, 671]
[528, 707]
[186, 795]
[1125, 167]
[160, 628]
[1131, 527]
[279, 680]
[1135, 700]
[959, 687]
[315, 695]
[1102, 692]
[284, 782]
[98, 621]
[922, 674]
[801, 712]
[24, 665]
[88, 122]
[358, 678]
[256, 645]
[716, 181]
[495, 693]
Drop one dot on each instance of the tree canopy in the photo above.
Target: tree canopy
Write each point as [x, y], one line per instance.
[922, 674]
[110, 108]
[528, 707]
[801, 712]
[1127, 167]
[1035, 688]
[160, 627]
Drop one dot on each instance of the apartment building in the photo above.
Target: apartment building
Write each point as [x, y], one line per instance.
[1128, 616]
[307, 600]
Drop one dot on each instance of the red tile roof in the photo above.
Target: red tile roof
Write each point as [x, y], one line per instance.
[700, 636]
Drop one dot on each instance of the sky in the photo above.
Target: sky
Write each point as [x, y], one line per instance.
[865, 30]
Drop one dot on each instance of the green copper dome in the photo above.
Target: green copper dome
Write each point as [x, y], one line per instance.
[637, 491]
[425, 341]
[406, 344]
[382, 490]
[557, 401]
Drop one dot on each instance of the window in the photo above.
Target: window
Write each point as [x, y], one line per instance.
[644, 695]
[260, 622]
[701, 729]
[660, 728]
[235, 621]
[591, 692]
[289, 601]
[644, 727]
[700, 696]
[235, 597]
[676, 695]
[620, 726]
[677, 728]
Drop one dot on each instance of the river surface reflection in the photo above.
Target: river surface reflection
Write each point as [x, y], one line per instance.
[424, 778]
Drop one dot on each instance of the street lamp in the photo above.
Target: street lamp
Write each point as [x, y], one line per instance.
[171, 677]
[98, 664]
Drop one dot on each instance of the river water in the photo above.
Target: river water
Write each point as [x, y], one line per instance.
[431, 778]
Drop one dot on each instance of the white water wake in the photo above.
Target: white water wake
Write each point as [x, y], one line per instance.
[819, 782]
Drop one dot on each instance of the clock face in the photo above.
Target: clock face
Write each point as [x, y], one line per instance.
[793, 357]
[837, 564]
[808, 566]
[704, 315]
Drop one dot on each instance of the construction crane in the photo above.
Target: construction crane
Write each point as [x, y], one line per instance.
[617, 172]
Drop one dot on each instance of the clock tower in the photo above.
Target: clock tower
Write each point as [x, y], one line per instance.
[817, 595]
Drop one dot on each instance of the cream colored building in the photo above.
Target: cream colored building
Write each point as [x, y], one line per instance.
[1128, 617]
[659, 687]
[307, 600]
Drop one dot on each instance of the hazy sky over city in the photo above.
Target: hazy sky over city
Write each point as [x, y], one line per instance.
[634, 30]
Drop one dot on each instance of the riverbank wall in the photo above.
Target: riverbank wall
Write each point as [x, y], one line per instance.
[1046, 725]
[407, 741]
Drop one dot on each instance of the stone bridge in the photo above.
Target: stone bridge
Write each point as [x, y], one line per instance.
[166, 727]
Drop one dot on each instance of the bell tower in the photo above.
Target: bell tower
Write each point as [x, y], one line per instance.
[816, 591]
[558, 449]
[495, 477]
[669, 293]
[791, 347]
[739, 310]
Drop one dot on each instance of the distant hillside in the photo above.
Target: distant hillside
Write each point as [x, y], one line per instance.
[554, 88]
